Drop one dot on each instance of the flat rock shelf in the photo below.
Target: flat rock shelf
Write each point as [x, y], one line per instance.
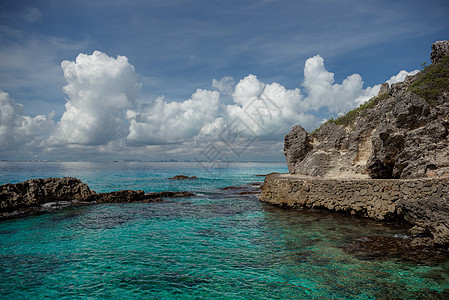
[422, 203]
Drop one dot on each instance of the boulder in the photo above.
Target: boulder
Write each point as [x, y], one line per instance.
[297, 144]
[35, 192]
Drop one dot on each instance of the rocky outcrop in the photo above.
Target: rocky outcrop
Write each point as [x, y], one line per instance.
[36, 195]
[439, 50]
[296, 146]
[402, 133]
[35, 192]
[429, 215]
[422, 203]
[386, 160]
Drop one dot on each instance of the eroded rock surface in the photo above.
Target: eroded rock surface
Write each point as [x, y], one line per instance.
[36, 195]
[35, 192]
[404, 135]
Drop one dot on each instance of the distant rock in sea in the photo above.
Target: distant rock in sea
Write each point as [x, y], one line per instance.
[181, 177]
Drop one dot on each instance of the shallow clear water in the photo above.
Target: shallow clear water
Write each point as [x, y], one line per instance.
[219, 244]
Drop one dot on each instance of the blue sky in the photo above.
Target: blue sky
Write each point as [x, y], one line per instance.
[177, 47]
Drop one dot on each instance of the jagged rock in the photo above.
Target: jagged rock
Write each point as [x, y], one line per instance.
[36, 195]
[35, 192]
[431, 216]
[402, 136]
[440, 49]
[296, 145]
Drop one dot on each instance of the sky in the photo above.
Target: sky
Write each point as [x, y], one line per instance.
[195, 80]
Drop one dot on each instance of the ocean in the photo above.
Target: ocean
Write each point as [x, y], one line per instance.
[221, 244]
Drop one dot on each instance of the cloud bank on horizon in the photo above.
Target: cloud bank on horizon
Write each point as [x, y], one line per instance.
[103, 112]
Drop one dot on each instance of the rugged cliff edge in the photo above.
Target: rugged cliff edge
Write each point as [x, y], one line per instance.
[387, 160]
[401, 133]
[46, 194]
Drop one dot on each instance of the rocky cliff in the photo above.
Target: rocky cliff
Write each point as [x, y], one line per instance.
[401, 133]
[386, 160]
[46, 194]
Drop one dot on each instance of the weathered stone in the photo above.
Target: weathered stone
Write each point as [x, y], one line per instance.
[403, 136]
[388, 203]
[35, 192]
[440, 49]
[296, 146]
[432, 214]
[36, 195]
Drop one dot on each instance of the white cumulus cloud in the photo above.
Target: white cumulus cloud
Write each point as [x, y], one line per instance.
[266, 110]
[323, 92]
[401, 76]
[172, 122]
[100, 89]
[225, 85]
[18, 130]
[101, 114]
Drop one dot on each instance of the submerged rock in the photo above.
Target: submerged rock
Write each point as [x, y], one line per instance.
[400, 248]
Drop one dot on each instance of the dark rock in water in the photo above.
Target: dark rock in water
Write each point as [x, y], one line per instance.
[248, 189]
[124, 196]
[232, 187]
[431, 216]
[400, 248]
[181, 177]
[169, 194]
[35, 192]
[47, 194]
[136, 196]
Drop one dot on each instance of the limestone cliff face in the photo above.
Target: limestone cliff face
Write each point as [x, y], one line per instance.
[403, 134]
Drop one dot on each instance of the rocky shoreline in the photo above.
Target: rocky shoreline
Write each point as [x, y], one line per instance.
[47, 194]
[421, 204]
[386, 160]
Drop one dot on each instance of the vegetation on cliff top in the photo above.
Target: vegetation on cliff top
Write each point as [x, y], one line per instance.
[430, 83]
[349, 117]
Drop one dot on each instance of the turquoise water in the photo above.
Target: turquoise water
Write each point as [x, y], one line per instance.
[217, 245]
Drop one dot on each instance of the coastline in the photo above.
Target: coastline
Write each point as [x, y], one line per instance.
[422, 204]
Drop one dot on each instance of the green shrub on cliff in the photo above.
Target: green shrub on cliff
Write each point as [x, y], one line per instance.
[348, 118]
[432, 81]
